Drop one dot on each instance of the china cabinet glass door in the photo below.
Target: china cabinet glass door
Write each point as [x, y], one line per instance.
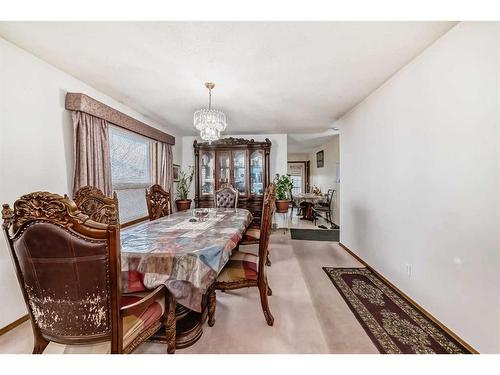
[239, 171]
[224, 167]
[257, 173]
[207, 172]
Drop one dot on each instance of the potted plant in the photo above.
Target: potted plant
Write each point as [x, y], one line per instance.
[284, 185]
[185, 178]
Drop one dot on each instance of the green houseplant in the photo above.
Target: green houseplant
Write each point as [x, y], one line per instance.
[185, 179]
[284, 185]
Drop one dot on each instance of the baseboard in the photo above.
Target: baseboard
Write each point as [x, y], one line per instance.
[411, 301]
[11, 326]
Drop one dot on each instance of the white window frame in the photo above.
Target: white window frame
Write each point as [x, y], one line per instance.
[122, 186]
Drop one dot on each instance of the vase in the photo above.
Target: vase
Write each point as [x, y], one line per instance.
[282, 205]
[183, 204]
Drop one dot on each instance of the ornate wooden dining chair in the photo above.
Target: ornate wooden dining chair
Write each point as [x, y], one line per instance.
[245, 269]
[92, 202]
[68, 267]
[226, 197]
[293, 204]
[253, 233]
[324, 208]
[159, 202]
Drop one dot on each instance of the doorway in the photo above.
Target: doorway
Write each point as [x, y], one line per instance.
[299, 172]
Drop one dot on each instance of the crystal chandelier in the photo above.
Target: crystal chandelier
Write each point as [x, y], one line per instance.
[210, 122]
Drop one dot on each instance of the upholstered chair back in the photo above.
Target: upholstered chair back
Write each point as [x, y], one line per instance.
[226, 197]
[67, 267]
[92, 202]
[159, 202]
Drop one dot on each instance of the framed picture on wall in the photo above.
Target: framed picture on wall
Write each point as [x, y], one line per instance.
[177, 169]
[320, 159]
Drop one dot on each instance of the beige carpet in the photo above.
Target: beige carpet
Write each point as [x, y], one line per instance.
[310, 315]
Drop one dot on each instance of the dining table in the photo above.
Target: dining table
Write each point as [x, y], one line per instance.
[310, 199]
[185, 252]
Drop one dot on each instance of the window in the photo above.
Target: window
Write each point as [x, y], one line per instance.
[296, 172]
[131, 171]
[297, 184]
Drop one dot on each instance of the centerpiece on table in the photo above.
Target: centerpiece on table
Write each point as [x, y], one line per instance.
[284, 185]
[316, 190]
[185, 179]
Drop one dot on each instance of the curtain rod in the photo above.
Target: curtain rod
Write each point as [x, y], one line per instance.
[84, 103]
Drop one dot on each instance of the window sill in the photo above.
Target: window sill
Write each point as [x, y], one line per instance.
[135, 221]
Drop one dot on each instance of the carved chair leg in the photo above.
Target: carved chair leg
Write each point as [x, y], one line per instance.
[39, 345]
[265, 305]
[269, 290]
[170, 328]
[268, 261]
[212, 301]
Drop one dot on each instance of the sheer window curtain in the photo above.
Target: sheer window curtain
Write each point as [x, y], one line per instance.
[164, 167]
[91, 152]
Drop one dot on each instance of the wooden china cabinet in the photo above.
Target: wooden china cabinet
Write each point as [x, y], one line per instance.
[242, 163]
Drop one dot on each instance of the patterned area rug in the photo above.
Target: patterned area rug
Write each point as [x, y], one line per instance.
[392, 323]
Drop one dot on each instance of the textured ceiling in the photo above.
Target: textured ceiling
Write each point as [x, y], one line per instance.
[307, 142]
[271, 77]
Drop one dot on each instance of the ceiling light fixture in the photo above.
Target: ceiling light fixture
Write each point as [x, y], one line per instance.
[210, 122]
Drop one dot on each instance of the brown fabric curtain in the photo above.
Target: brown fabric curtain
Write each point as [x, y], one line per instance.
[165, 166]
[92, 154]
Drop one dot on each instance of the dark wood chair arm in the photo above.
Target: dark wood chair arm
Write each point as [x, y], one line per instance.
[144, 303]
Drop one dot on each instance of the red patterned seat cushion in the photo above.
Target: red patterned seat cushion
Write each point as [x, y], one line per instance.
[251, 236]
[133, 325]
[241, 266]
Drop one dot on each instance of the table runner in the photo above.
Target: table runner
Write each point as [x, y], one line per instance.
[185, 256]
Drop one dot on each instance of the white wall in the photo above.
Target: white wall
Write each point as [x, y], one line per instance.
[421, 181]
[326, 178]
[36, 143]
[188, 159]
[278, 155]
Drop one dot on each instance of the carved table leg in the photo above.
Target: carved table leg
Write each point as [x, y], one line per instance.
[211, 307]
[308, 212]
[170, 324]
[188, 328]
